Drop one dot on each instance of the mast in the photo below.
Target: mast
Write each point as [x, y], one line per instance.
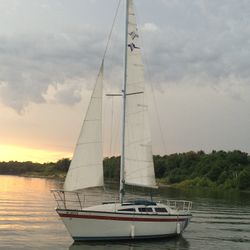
[122, 181]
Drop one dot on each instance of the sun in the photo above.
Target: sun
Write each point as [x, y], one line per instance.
[18, 153]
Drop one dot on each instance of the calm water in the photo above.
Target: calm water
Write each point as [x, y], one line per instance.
[28, 220]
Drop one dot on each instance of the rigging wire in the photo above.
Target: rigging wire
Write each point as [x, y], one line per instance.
[112, 123]
[111, 31]
[116, 133]
[102, 63]
[157, 112]
[112, 131]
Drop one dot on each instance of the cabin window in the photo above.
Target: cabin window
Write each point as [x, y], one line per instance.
[145, 209]
[127, 210]
[161, 210]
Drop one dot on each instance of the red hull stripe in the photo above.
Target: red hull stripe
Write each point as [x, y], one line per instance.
[101, 217]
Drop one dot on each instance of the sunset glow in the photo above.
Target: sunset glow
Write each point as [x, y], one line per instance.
[18, 153]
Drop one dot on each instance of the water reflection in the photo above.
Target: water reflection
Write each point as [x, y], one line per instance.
[177, 243]
[27, 216]
[28, 221]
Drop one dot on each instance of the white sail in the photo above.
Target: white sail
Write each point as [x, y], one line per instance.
[86, 169]
[139, 168]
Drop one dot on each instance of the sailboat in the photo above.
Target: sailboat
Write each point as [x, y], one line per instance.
[116, 219]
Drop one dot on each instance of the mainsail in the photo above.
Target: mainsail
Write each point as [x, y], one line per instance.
[86, 168]
[139, 168]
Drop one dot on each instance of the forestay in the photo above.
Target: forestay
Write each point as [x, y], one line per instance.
[86, 166]
[139, 168]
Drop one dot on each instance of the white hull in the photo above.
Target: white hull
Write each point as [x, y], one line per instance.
[91, 225]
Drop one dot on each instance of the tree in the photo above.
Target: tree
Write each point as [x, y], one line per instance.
[244, 179]
[63, 164]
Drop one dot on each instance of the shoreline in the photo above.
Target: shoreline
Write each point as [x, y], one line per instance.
[160, 182]
[219, 170]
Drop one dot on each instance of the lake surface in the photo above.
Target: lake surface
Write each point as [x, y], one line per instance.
[221, 220]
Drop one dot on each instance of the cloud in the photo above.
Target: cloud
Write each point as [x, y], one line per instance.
[68, 93]
[198, 42]
[150, 27]
[207, 40]
[31, 63]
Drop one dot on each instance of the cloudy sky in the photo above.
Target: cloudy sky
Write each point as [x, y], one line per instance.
[197, 56]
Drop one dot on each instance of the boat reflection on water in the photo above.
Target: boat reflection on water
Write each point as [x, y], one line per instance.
[176, 243]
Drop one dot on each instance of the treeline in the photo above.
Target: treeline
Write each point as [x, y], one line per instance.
[219, 169]
[29, 168]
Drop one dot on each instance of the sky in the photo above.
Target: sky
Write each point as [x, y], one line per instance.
[197, 59]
